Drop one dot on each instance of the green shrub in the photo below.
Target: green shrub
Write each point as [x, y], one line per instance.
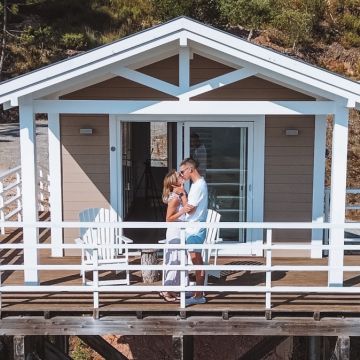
[74, 41]
[351, 39]
[295, 24]
[39, 36]
[250, 14]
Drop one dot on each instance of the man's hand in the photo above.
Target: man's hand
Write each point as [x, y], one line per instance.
[189, 208]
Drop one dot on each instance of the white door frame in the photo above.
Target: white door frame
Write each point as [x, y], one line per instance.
[255, 180]
[257, 149]
[115, 151]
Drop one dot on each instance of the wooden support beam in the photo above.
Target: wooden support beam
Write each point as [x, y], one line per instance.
[3, 351]
[183, 347]
[314, 347]
[62, 343]
[263, 348]
[317, 315]
[27, 347]
[51, 351]
[102, 347]
[342, 349]
[168, 325]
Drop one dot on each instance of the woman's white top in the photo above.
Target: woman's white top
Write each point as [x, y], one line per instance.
[175, 233]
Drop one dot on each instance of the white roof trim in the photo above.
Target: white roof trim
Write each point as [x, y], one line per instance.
[172, 33]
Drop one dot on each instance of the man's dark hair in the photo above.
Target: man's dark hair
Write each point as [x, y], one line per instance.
[190, 161]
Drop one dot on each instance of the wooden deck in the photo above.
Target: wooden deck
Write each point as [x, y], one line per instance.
[306, 314]
[150, 302]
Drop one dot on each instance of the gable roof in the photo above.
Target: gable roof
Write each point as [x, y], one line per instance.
[166, 37]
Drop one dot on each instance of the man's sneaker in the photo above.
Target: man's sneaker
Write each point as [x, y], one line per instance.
[195, 300]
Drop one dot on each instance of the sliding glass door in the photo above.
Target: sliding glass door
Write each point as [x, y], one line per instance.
[224, 152]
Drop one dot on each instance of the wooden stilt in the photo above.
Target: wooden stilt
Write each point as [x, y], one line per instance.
[314, 348]
[62, 343]
[183, 347]
[51, 351]
[342, 349]
[27, 347]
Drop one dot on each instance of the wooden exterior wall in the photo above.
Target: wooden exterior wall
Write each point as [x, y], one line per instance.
[85, 166]
[288, 160]
[289, 173]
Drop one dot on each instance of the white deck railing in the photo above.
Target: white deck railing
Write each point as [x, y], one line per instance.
[348, 207]
[268, 247]
[11, 193]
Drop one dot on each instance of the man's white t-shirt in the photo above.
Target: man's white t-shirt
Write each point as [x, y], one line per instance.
[198, 197]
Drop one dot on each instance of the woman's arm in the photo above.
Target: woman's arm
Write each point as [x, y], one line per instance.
[171, 213]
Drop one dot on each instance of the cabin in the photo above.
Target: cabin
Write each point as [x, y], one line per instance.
[119, 117]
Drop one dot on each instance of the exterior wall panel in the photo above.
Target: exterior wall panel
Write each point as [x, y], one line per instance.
[289, 173]
[85, 167]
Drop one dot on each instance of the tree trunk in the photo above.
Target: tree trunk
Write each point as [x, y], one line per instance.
[3, 42]
[149, 257]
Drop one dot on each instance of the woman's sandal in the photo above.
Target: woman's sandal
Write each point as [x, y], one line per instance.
[167, 297]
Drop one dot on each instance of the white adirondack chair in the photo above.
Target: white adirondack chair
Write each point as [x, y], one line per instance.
[102, 236]
[212, 236]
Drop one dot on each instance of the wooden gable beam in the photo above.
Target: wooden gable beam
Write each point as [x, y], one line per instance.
[147, 80]
[184, 91]
[145, 107]
[217, 82]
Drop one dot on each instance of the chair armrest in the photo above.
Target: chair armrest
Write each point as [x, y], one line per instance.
[219, 240]
[162, 241]
[125, 239]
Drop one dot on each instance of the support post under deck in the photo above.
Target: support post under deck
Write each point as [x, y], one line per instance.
[183, 347]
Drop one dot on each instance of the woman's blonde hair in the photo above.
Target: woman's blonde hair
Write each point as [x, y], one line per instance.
[170, 180]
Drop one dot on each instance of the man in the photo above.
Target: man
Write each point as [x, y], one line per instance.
[196, 210]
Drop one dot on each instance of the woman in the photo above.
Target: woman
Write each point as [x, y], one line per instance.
[174, 196]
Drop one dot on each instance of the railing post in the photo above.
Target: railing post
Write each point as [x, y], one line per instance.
[55, 186]
[2, 214]
[338, 195]
[327, 216]
[18, 195]
[41, 190]
[96, 282]
[29, 189]
[183, 274]
[318, 183]
[268, 271]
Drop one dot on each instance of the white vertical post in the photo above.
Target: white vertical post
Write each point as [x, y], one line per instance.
[116, 183]
[318, 183]
[2, 214]
[55, 188]
[29, 187]
[257, 192]
[338, 195]
[268, 272]
[18, 194]
[96, 279]
[183, 274]
[184, 68]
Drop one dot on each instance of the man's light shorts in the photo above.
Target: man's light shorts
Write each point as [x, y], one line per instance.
[197, 238]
